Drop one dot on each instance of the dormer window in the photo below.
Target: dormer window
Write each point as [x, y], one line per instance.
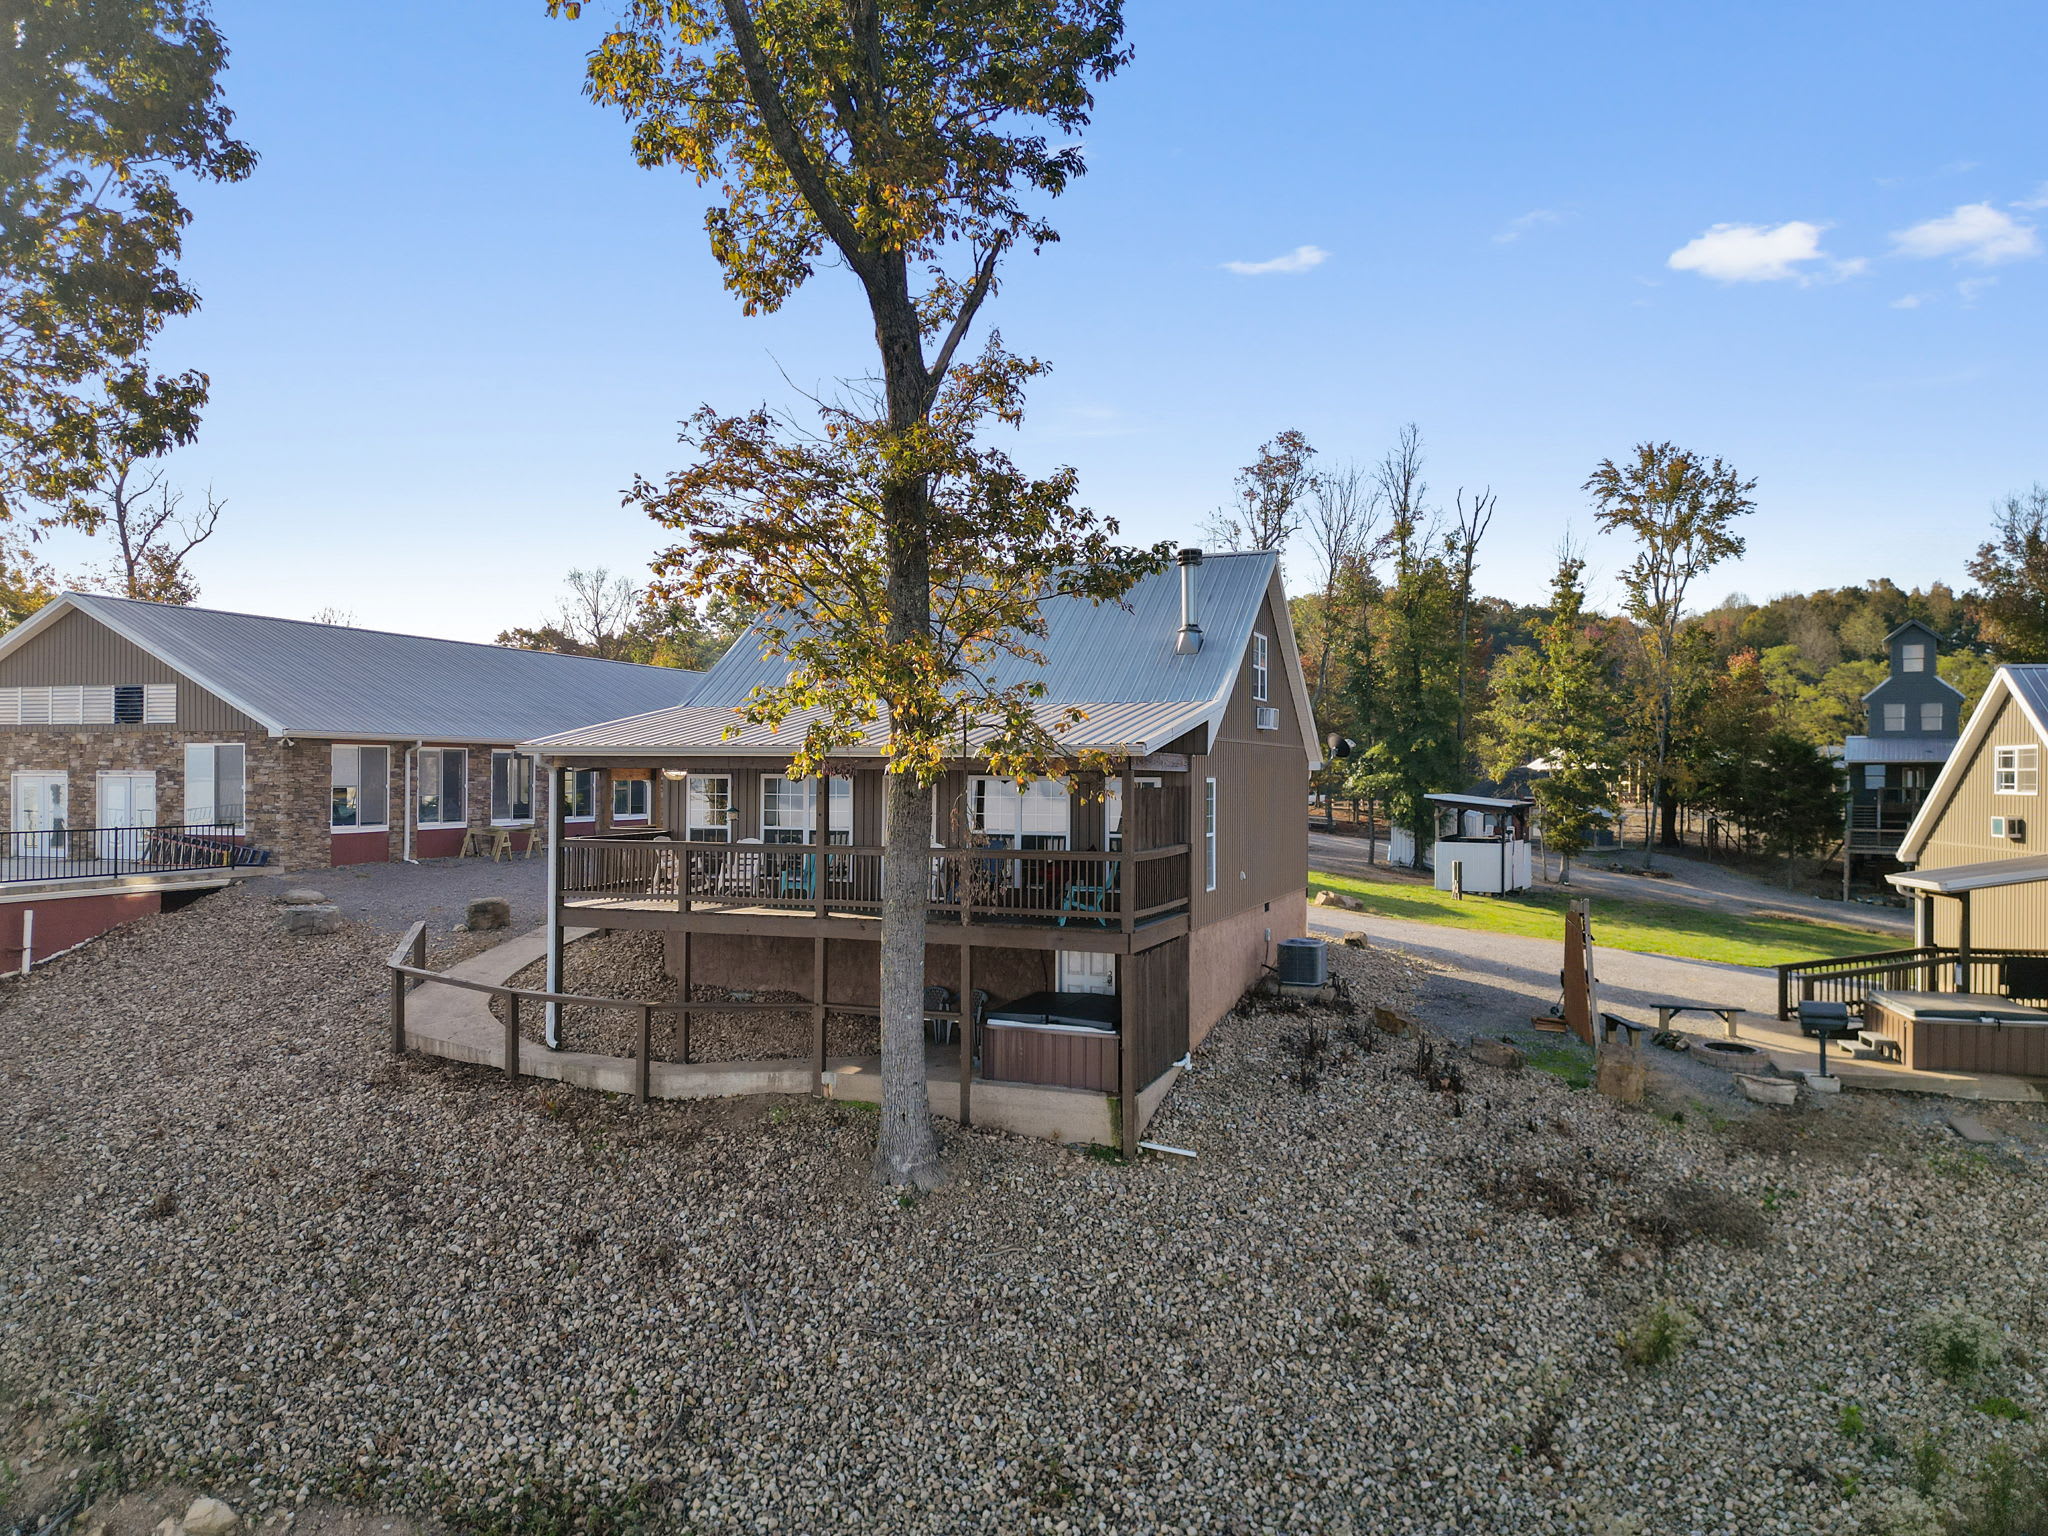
[1913, 657]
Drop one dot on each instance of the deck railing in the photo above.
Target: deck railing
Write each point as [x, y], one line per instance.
[1929, 968]
[77, 853]
[969, 885]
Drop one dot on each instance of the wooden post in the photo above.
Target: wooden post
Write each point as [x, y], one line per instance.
[818, 1017]
[822, 838]
[602, 794]
[1127, 874]
[683, 993]
[644, 1049]
[398, 1013]
[966, 1035]
[511, 1037]
[558, 785]
[1126, 1069]
[1963, 942]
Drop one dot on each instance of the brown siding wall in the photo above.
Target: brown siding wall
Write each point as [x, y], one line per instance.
[1155, 1007]
[2016, 916]
[79, 650]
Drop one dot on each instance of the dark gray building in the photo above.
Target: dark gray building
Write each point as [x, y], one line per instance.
[1913, 722]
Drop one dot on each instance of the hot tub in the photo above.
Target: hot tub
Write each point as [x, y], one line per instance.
[1061, 1039]
[1961, 1032]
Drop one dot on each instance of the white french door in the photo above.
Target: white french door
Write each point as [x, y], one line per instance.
[126, 800]
[42, 808]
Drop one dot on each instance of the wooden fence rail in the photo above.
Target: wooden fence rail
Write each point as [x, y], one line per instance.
[1929, 968]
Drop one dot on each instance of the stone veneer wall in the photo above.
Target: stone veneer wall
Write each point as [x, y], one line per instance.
[286, 794]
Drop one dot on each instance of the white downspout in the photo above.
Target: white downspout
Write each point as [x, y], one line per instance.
[411, 800]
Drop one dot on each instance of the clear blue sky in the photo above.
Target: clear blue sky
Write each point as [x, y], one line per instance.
[447, 320]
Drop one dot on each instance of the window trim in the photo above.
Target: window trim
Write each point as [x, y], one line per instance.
[2024, 767]
[836, 833]
[419, 786]
[1209, 834]
[1913, 656]
[1887, 717]
[1937, 709]
[358, 748]
[532, 789]
[213, 804]
[1262, 670]
[568, 800]
[646, 811]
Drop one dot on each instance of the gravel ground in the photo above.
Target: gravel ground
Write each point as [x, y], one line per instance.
[624, 963]
[395, 896]
[244, 1252]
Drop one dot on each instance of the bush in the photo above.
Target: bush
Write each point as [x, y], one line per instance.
[1957, 1344]
[1899, 1512]
[1659, 1335]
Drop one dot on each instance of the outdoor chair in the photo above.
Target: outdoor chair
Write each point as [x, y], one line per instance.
[938, 1000]
[798, 878]
[1092, 900]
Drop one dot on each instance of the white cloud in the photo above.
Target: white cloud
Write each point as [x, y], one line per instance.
[1970, 288]
[1534, 219]
[1758, 253]
[1300, 259]
[2038, 200]
[1910, 300]
[1976, 232]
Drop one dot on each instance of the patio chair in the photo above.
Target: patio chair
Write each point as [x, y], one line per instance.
[1092, 900]
[798, 878]
[938, 1000]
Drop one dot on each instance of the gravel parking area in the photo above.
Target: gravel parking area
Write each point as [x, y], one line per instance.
[393, 897]
[243, 1250]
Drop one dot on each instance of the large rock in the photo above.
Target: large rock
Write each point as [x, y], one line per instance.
[303, 922]
[1388, 1022]
[1619, 1073]
[488, 912]
[1357, 941]
[1496, 1053]
[1342, 899]
[301, 896]
[209, 1517]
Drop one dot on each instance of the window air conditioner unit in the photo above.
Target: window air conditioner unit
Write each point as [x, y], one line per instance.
[1269, 717]
[2012, 828]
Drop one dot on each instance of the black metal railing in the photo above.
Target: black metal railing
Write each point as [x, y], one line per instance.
[64, 852]
[1929, 968]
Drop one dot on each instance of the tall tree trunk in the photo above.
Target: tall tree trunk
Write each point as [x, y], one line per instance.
[906, 1151]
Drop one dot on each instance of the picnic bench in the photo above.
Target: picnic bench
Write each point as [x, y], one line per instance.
[1629, 1029]
[1666, 1012]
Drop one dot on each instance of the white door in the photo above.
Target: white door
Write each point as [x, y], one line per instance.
[126, 801]
[42, 809]
[1087, 970]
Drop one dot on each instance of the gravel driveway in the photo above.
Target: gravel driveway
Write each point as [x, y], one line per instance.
[242, 1248]
[393, 897]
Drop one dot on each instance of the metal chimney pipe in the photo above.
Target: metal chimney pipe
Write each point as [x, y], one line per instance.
[1189, 640]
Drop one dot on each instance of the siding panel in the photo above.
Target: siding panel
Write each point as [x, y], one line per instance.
[79, 650]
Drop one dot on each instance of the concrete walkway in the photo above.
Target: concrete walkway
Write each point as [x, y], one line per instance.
[1494, 983]
[1693, 883]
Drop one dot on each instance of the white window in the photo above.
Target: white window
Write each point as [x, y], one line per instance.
[1930, 718]
[1913, 657]
[214, 784]
[442, 774]
[104, 704]
[361, 793]
[2015, 771]
[1000, 815]
[580, 802]
[511, 789]
[1895, 717]
[1261, 673]
[629, 799]
[789, 809]
[707, 809]
[1208, 834]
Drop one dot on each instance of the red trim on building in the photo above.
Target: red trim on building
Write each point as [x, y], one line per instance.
[437, 842]
[358, 848]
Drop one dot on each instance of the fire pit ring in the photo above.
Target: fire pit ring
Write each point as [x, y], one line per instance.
[1731, 1055]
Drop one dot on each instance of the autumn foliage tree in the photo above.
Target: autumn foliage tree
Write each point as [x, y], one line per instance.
[107, 106]
[2011, 572]
[903, 140]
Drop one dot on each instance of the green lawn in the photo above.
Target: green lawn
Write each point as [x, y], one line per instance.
[1649, 927]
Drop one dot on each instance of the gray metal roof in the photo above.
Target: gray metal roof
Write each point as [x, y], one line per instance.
[1115, 662]
[2029, 683]
[1990, 874]
[1898, 749]
[302, 678]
